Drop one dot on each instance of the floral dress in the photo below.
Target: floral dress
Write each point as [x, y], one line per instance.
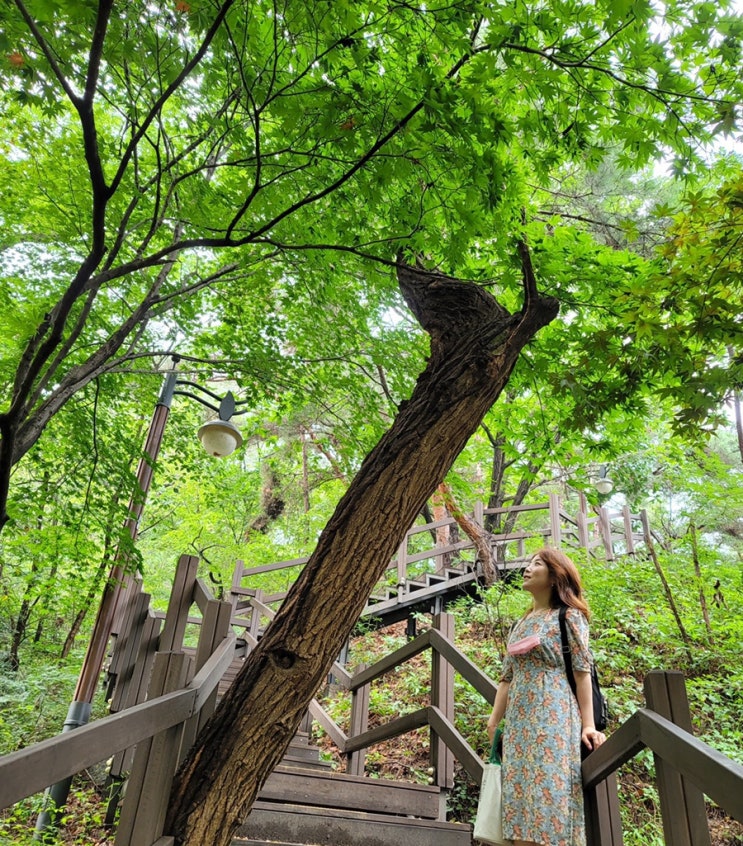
[541, 771]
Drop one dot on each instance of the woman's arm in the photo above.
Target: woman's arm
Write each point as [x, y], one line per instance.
[499, 707]
[584, 694]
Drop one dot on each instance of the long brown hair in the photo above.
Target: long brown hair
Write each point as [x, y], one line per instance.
[566, 584]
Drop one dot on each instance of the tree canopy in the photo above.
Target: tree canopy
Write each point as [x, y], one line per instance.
[241, 181]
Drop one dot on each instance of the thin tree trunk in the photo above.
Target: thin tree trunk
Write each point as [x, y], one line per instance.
[700, 582]
[738, 423]
[481, 537]
[666, 587]
[474, 346]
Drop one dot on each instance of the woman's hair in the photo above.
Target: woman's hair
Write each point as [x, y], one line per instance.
[567, 588]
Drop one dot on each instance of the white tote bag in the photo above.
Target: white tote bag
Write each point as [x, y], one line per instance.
[489, 819]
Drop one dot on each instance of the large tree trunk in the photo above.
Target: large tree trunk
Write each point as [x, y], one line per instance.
[474, 346]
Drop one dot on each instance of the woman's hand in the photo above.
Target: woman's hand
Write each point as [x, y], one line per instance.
[591, 738]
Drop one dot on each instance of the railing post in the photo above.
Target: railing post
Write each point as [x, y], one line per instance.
[581, 521]
[442, 697]
[628, 536]
[181, 597]
[359, 724]
[605, 530]
[681, 803]
[255, 616]
[555, 528]
[402, 565]
[603, 818]
[214, 628]
[155, 761]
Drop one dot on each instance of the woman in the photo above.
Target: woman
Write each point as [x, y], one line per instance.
[545, 725]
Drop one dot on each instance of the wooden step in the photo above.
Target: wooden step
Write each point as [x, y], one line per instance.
[303, 824]
[331, 789]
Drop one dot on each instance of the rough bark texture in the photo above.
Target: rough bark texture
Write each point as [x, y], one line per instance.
[474, 346]
[482, 538]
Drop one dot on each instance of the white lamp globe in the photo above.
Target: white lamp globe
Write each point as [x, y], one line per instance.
[604, 485]
[220, 437]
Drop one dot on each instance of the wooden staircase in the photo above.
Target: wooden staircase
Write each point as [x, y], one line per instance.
[305, 802]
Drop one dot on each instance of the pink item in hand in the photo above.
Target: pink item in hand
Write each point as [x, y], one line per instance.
[524, 645]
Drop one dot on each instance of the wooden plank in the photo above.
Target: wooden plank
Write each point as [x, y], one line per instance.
[32, 769]
[359, 725]
[202, 595]
[484, 685]
[628, 535]
[269, 568]
[336, 734]
[402, 564]
[605, 529]
[130, 650]
[280, 825]
[682, 805]
[264, 609]
[555, 528]
[384, 665]
[148, 789]
[603, 819]
[456, 742]
[442, 697]
[128, 614]
[137, 691]
[340, 790]
[394, 728]
[207, 679]
[430, 527]
[621, 746]
[434, 551]
[221, 633]
[181, 597]
[718, 777]
[517, 509]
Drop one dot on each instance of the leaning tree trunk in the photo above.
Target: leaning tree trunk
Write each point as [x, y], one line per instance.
[474, 346]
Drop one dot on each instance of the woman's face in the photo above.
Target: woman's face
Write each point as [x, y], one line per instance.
[537, 577]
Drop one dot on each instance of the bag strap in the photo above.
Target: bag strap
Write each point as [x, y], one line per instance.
[566, 656]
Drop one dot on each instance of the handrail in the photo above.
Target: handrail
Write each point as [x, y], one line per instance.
[708, 770]
[712, 772]
[31, 770]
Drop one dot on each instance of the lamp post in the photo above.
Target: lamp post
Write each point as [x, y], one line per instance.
[219, 438]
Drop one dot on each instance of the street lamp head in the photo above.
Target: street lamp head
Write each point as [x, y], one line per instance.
[604, 485]
[220, 437]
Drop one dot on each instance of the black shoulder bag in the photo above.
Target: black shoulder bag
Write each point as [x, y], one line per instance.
[600, 708]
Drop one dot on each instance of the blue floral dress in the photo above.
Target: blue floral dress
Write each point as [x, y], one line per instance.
[541, 771]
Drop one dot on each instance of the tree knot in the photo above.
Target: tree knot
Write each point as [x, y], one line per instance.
[283, 658]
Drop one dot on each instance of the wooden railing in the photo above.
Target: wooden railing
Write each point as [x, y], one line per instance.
[163, 727]
[686, 768]
[181, 695]
[606, 533]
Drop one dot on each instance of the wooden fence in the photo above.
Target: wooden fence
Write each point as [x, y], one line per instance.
[181, 695]
[606, 533]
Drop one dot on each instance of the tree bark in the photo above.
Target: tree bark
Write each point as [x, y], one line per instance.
[475, 343]
[481, 537]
